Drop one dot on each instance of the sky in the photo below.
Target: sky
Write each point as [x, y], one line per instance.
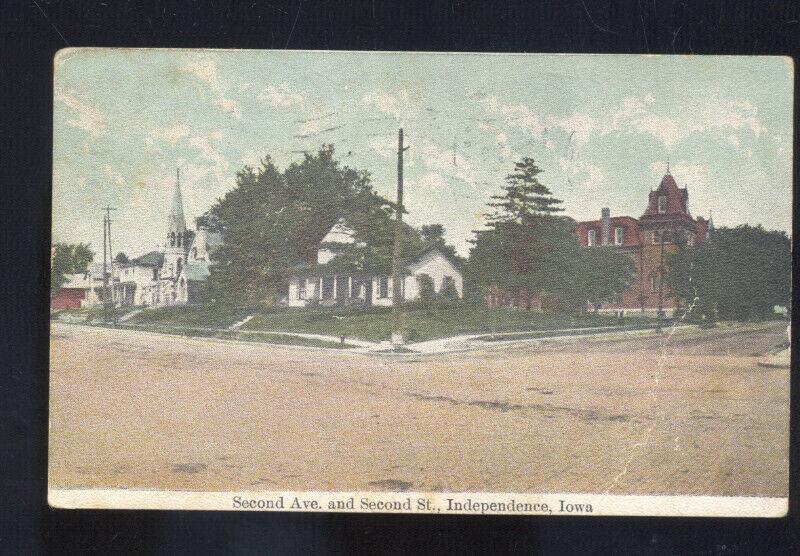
[602, 128]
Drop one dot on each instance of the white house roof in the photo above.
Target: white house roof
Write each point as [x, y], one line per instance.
[81, 280]
[340, 232]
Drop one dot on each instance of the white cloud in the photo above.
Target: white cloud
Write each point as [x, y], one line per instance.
[517, 115]
[691, 174]
[310, 126]
[228, 105]
[734, 140]
[89, 118]
[449, 162]
[281, 96]
[252, 160]
[432, 181]
[398, 106]
[113, 175]
[505, 149]
[385, 146]
[206, 70]
[171, 134]
[588, 176]
[636, 116]
[578, 126]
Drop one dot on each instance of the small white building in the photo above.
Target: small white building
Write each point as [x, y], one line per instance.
[174, 275]
[328, 283]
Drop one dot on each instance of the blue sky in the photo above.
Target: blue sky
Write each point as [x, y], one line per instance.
[602, 127]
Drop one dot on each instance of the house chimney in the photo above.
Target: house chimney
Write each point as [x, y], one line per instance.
[605, 215]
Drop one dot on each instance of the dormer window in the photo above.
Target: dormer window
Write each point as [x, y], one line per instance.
[619, 235]
[662, 204]
[592, 238]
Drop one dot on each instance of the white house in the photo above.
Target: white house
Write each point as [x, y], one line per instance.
[175, 275]
[326, 283]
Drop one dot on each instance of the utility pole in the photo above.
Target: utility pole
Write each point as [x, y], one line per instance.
[108, 297]
[397, 264]
[660, 315]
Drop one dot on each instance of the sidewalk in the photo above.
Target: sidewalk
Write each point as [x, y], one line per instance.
[452, 344]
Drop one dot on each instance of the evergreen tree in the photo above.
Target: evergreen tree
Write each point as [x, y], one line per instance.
[529, 248]
[524, 197]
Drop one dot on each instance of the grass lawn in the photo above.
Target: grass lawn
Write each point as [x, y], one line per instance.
[420, 323]
[206, 316]
[372, 324]
[92, 313]
[264, 337]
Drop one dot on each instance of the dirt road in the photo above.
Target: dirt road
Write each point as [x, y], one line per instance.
[689, 413]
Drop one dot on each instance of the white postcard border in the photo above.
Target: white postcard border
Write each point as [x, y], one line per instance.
[566, 504]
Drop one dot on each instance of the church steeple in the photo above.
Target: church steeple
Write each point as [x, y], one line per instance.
[177, 222]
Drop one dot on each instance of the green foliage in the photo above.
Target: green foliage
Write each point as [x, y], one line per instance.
[736, 274]
[604, 273]
[121, 258]
[449, 292]
[524, 197]
[427, 290]
[68, 258]
[528, 246]
[274, 220]
[421, 323]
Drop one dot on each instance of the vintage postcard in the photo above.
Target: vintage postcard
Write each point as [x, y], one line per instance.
[421, 282]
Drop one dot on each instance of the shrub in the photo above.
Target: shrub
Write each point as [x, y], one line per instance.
[427, 291]
[448, 292]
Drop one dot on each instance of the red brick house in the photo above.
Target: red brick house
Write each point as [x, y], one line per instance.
[648, 239]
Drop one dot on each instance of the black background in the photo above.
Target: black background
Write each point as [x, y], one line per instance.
[30, 33]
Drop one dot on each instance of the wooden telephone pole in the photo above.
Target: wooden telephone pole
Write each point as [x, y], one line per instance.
[108, 258]
[397, 263]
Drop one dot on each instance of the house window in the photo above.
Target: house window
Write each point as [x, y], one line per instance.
[619, 235]
[592, 238]
[327, 287]
[662, 204]
[301, 288]
[690, 239]
[383, 287]
[656, 237]
[653, 282]
[194, 252]
[172, 239]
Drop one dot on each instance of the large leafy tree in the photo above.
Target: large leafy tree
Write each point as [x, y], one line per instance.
[68, 258]
[736, 274]
[273, 220]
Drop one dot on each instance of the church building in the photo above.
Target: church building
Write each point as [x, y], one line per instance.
[174, 275]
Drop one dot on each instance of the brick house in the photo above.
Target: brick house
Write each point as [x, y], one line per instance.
[648, 239]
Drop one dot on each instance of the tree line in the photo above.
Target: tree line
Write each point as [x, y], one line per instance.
[273, 223]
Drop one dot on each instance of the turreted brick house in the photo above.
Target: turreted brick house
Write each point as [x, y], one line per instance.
[648, 239]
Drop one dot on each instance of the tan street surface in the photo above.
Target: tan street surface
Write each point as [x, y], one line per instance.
[687, 413]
